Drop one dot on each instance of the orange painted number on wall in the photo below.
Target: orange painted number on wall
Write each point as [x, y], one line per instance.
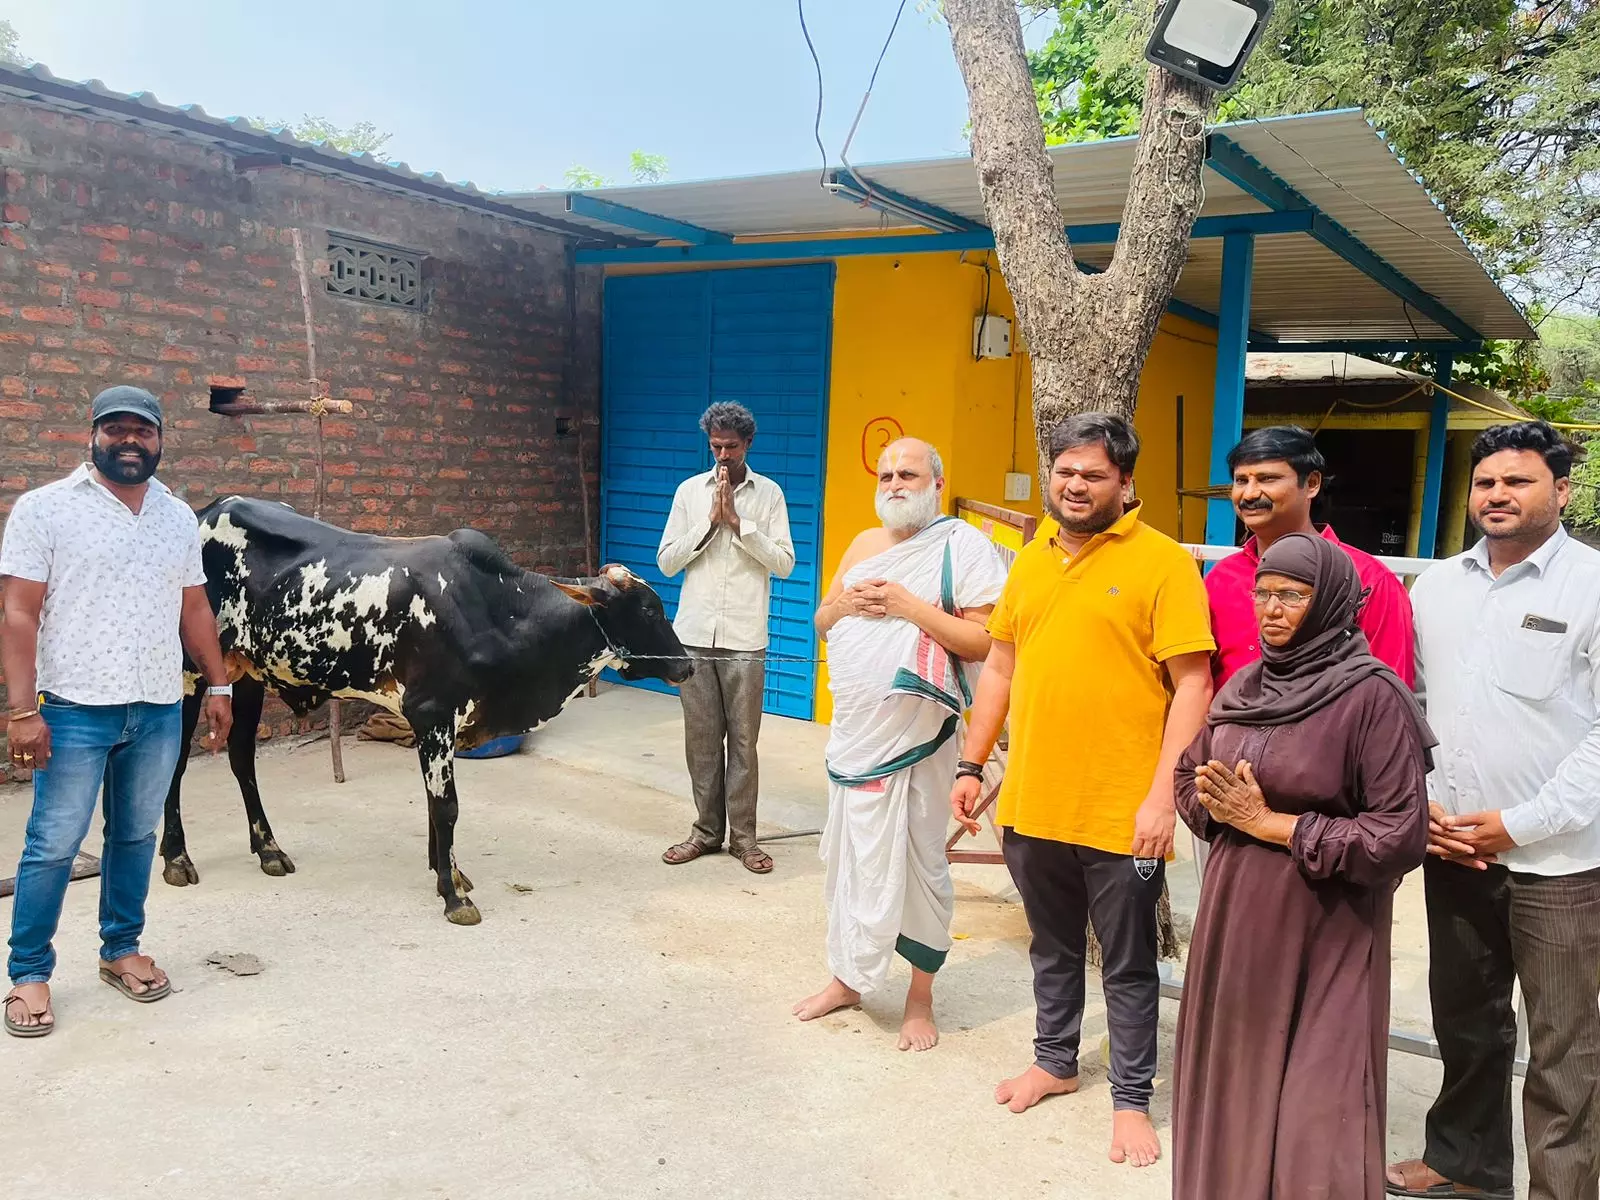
[875, 436]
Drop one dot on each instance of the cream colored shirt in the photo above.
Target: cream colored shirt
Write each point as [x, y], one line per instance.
[1509, 672]
[727, 582]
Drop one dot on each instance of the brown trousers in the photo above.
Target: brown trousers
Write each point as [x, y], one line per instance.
[721, 722]
[1486, 928]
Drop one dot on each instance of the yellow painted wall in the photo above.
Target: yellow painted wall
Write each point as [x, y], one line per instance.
[902, 362]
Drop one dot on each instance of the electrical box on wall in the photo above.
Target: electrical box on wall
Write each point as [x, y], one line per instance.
[1018, 485]
[991, 337]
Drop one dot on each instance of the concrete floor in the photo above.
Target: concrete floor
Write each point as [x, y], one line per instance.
[614, 1028]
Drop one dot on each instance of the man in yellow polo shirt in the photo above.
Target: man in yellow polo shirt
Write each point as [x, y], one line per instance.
[1101, 647]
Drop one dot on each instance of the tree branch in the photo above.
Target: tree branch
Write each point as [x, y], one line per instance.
[1164, 198]
[1015, 175]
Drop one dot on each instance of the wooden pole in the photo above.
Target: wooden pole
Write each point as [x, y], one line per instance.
[317, 407]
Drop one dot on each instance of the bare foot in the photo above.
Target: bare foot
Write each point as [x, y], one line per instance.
[830, 998]
[917, 1031]
[1032, 1086]
[1133, 1138]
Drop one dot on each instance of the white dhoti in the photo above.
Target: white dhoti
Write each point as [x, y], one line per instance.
[898, 699]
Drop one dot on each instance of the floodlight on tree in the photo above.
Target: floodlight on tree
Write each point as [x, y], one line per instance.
[1207, 40]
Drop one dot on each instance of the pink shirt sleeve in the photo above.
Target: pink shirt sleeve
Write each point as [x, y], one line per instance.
[1386, 619]
[1233, 617]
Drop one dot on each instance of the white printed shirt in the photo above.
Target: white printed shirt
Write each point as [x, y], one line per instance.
[108, 632]
[1508, 670]
[727, 583]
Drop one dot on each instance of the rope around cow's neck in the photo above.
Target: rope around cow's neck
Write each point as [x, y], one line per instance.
[622, 655]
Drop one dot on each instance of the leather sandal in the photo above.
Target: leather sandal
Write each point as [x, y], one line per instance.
[1409, 1170]
[756, 860]
[683, 852]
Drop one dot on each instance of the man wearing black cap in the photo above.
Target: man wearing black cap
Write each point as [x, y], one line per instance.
[104, 589]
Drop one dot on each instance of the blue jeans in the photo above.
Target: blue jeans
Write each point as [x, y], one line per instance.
[130, 748]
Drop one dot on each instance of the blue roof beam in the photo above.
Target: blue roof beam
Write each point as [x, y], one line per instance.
[1356, 346]
[1227, 159]
[916, 243]
[613, 213]
[897, 204]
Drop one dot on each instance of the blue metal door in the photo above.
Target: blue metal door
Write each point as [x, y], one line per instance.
[673, 345]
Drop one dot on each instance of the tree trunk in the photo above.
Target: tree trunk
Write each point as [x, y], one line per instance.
[1087, 334]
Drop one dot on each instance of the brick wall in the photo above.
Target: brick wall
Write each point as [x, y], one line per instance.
[133, 256]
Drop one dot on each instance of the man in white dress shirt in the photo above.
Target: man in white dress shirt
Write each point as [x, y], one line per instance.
[729, 533]
[1508, 664]
[104, 589]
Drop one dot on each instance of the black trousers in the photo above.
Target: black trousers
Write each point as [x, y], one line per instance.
[1064, 887]
[1485, 929]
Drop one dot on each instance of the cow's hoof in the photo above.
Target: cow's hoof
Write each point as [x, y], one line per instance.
[465, 913]
[463, 884]
[276, 863]
[180, 872]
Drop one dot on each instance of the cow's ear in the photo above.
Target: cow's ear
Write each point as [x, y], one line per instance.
[587, 596]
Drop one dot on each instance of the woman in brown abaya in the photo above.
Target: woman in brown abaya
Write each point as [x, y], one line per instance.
[1308, 784]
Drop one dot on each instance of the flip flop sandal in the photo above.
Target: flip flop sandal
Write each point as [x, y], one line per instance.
[756, 861]
[28, 1031]
[152, 992]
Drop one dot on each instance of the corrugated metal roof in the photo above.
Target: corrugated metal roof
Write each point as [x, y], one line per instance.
[1299, 370]
[1302, 290]
[1272, 371]
[38, 84]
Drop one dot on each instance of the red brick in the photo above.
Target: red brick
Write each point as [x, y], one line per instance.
[50, 316]
[56, 270]
[53, 364]
[10, 237]
[168, 309]
[16, 410]
[112, 233]
[178, 354]
[99, 297]
[247, 363]
[16, 212]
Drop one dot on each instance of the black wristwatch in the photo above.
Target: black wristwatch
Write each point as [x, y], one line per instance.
[966, 769]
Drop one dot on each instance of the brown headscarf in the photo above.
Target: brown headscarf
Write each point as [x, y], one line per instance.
[1328, 654]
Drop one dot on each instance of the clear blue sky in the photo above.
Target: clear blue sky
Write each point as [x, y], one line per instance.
[508, 94]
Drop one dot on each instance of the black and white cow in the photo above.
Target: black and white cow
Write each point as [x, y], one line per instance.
[445, 631]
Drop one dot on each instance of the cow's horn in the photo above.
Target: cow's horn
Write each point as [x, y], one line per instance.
[618, 575]
[589, 597]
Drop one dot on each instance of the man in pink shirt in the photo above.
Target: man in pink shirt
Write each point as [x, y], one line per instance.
[1277, 473]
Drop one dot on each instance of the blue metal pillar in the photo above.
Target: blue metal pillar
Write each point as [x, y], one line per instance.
[1433, 481]
[1227, 410]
